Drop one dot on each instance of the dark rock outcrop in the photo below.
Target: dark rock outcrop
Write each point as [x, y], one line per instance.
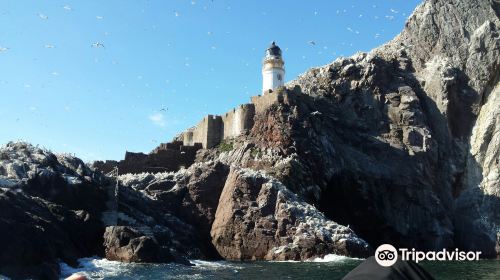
[54, 208]
[128, 245]
[158, 219]
[190, 197]
[50, 207]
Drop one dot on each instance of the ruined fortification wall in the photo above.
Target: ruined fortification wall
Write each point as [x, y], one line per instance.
[165, 158]
[214, 131]
[262, 102]
[208, 132]
[238, 120]
[188, 137]
[211, 130]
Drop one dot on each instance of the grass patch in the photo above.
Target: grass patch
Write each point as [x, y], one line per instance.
[225, 146]
[256, 153]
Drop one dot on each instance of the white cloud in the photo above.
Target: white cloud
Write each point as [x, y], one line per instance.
[158, 119]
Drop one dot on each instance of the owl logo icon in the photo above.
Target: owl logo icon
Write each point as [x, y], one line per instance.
[386, 255]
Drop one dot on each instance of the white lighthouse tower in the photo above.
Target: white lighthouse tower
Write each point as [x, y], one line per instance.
[273, 69]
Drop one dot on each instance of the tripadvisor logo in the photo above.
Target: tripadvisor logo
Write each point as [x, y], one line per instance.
[387, 255]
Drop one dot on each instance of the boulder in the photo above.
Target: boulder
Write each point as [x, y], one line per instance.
[126, 244]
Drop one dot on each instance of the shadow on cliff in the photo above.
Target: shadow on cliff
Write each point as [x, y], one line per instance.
[471, 209]
[386, 195]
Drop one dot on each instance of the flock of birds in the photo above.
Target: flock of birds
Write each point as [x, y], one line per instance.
[390, 16]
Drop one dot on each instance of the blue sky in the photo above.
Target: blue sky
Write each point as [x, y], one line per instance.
[92, 77]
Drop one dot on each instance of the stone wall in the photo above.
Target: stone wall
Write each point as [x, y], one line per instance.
[210, 131]
[165, 158]
[262, 102]
[207, 132]
[238, 120]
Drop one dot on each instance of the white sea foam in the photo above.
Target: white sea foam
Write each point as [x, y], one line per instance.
[326, 258]
[214, 264]
[93, 268]
[332, 258]
[287, 261]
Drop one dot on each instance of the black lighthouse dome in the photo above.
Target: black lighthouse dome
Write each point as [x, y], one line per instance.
[273, 50]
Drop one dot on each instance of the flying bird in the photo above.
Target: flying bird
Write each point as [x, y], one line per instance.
[97, 45]
[312, 43]
[42, 16]
[49, 46]
[3, 49]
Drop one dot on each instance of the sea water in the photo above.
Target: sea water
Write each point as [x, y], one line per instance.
[330, 267]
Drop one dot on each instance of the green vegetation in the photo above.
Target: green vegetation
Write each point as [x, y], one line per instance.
[255, 152]
[225, 146]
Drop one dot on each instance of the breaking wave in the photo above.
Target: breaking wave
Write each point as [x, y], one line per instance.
[332, 258]
[214, 264]
[94, 268]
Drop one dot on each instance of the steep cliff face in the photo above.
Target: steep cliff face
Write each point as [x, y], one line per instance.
[402, 142]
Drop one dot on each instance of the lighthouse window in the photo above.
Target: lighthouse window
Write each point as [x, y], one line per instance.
[279, 77]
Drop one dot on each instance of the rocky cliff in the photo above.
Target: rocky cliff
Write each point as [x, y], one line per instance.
[415, 142]
[50, 209]
[400, 145]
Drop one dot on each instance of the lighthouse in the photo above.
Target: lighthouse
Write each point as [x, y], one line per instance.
[273, 69]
